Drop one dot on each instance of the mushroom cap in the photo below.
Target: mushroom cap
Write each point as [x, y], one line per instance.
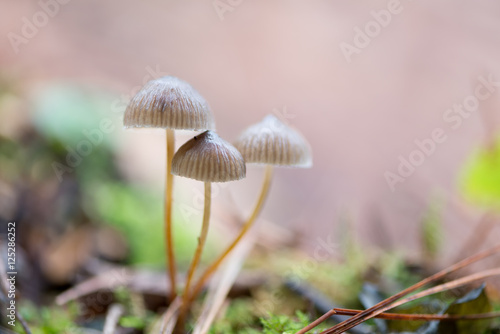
[168, 103]
[274, 143]
[209, 158]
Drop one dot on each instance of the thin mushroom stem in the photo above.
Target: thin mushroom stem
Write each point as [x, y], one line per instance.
[197, 255]
[246, 227]
[169, 240]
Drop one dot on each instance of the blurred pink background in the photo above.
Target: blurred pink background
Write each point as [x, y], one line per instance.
[260, 57]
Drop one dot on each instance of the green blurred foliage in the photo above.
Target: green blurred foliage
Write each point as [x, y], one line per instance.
[238, 318]
[393, 266]
[138, 213]
[67, 116]
[11, 158]
[481, 177]
[432, 231]
[62, 111]
[53, 320]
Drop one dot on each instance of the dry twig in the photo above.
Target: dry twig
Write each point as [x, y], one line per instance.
[114, 314]
[421, 317]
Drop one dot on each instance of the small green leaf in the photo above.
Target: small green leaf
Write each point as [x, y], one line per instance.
[474, 302]
[481, 177]
[132, 322]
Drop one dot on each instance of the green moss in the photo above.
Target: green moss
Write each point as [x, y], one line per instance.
[239, 321]
[49, 320]
[139, 215]
[239, 318]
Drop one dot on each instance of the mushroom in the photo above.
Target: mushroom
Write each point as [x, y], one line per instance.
[169, 103]
[271, 143]
[206, 158]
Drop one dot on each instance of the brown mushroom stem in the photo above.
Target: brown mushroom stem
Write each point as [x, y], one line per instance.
[197, 255]
[169, 186]
[246, 227]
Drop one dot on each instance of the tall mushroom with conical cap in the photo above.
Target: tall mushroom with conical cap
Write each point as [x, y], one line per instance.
[271, 143]
[169, 103]
[206, 158]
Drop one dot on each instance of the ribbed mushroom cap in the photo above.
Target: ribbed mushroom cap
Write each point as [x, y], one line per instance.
[274, 143]
[209, 158]
[168, 102]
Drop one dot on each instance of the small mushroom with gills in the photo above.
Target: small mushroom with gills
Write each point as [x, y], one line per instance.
[169, 103]
[207, 158]
[270, 143]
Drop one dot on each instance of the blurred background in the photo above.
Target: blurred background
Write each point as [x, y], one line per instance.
[398, 100]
